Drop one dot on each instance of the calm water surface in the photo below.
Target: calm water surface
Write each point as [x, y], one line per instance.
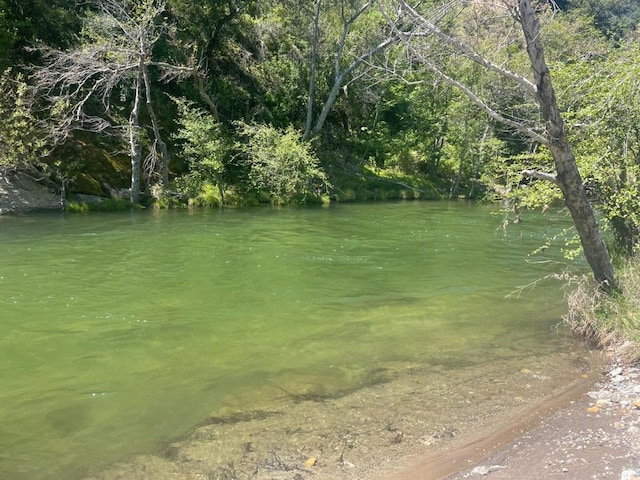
[120, 331]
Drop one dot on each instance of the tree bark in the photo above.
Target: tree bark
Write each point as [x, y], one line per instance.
[567, 174]
[135, 149]
[160, 146]
[312, 70]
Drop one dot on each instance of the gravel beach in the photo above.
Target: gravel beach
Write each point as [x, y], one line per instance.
[594, 437]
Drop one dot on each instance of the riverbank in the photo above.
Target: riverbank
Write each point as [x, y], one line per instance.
[595, 437]
[581, 433]
[587, 429]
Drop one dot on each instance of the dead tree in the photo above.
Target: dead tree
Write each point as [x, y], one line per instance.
[115, 57]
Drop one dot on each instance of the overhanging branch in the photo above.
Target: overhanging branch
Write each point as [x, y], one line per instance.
[482, 105]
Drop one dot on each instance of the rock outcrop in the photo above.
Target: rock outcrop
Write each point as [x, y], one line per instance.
[19, 193]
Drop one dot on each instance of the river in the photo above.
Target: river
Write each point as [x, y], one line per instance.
[121, 332]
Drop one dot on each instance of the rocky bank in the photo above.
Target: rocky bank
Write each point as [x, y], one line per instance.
[20, 193]
[594, 437]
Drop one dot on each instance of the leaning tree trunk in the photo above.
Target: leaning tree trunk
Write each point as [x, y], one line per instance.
[568, 176]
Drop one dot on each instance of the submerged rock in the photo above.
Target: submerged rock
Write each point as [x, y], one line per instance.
[484, 470]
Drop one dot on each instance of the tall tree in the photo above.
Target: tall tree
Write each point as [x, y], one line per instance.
[605, 126]
[551, 133]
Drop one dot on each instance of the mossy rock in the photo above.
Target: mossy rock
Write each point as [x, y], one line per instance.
[88, 185]
[85, 160]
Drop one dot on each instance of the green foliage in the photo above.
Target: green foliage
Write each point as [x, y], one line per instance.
[77, 207]
[410, 129]
[281, 72]
[208, 196]
[205, 147]
[614, 18]
[282, 164]
[604, 123]
[22, 145]
[223, 37]
[25, 23]
[7, 37]
[519, 190]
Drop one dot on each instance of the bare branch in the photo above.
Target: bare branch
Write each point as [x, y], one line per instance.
[540, 175]
[424, 60]
[461, 47]
[172, 72]
[488, 110]
[118, 52]
[341, 75]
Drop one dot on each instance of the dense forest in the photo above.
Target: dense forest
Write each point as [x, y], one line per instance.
[241, 102]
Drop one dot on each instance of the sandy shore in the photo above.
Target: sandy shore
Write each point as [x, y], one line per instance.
[472, 451]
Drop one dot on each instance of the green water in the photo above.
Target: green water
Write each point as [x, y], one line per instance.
[121, 331]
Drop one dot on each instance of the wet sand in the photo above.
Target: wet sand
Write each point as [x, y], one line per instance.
[467, 452]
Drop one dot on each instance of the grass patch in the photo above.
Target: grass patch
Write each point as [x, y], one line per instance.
[609, 320]
[106, 205]
[209, 196]
[373, 184]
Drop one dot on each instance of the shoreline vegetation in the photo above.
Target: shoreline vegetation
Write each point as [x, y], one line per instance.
[368, 185]
[609, 320]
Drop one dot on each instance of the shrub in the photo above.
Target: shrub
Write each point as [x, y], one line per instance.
[282, 164]
[22, 145]
[205, 147]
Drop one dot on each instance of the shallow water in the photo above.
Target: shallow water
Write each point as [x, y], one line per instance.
[121, 331]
